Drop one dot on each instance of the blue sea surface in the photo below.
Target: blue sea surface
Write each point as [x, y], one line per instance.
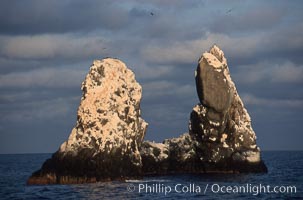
[285, 169]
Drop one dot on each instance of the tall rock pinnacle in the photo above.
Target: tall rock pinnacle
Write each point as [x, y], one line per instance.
[105, 142]
[220, 137]
[220, 123]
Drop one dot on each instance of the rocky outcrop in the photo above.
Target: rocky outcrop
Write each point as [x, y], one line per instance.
[220, 123]
[176, 155]
[220, 137]
[105, 142]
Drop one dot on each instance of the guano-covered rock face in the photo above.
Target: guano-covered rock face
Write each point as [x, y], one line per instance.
[220, 123]
[220, 138]
[175, 155]
[105, 142]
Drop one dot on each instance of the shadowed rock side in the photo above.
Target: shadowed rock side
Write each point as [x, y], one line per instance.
[220, 137]
[105, 142]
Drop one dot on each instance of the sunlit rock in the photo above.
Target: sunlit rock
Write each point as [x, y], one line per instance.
[105, 142]
[220, 123]
[220, 139]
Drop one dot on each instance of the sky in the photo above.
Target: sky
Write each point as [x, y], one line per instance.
[47, 47]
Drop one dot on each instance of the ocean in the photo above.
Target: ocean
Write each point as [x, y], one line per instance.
[283, 181]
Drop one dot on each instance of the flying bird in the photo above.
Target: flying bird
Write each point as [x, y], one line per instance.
[229, 11]
[152, 14]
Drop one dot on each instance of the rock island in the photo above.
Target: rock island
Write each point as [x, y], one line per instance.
[107, 141]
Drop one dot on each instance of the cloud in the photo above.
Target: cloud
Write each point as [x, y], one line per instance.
[43, 78]
[270, 71]
[281, 42]
[250, 99]
[52, 46]
[170, 37]
[156, 89]
[172, 120]
[36, 17]
[236, 19]
[11, 65]
[189, 51]
[285, 42]
[32, 111]
[11, 98]
[153, 72]
[175, 3]
[288, 73]
[46, 48]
